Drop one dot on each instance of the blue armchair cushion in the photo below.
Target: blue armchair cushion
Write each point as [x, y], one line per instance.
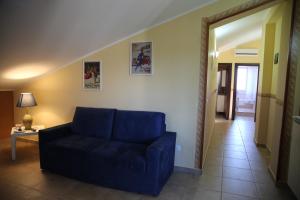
[93, 122]
[138, 126]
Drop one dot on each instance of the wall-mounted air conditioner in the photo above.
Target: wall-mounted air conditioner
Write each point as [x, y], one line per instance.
[246, 52]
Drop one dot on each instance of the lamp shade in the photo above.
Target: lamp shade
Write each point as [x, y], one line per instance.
[26, 100]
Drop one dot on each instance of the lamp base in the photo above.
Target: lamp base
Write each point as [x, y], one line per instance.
[27, 121]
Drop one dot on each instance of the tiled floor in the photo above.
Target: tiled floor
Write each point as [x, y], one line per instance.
[235, 170]
[241, 165]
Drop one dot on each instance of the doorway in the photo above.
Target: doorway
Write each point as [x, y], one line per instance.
[271, 94]
[245, 90]
[224, 88]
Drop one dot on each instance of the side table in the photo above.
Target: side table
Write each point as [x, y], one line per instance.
[16, 133]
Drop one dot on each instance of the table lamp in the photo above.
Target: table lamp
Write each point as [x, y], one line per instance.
[26, 100]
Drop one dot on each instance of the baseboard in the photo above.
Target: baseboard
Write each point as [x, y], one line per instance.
[259, 144]
[269, 149]
[188, 170]
[272, 174]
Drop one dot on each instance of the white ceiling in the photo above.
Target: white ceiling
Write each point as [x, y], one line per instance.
[241, 31]
[38, 36]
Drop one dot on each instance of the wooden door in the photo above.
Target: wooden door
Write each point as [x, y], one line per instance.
[6, 113]
[224, 87]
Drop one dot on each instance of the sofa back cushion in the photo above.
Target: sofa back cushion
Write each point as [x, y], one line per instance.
[93, 122]
[138, 126]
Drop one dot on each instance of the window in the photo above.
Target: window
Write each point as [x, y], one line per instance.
[242, 78]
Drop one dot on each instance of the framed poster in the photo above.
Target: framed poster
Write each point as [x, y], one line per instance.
[92, 75]
[141, 61]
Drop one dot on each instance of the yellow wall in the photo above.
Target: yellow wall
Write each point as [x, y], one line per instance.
[172, 89]
[273, 77]
[264, 86]
[284, 21]
[277, 22]
[229, 57]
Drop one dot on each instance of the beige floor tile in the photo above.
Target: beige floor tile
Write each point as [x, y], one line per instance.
[87, 191]
[183, 179]
[230, 147]
[121, 195]
[226, 196]
[238, 163]
[216, 161]
[214, 153]
[212, 170]
[30, 178]
[238, 174]
[56, 185]
[270, 191]
[235, 154]
[262, 177]
[169, 192]
[244, 188]
[9, 191]
[255, 156]
[258, 165]
[202, 194]
[233, 141]
[209, 182]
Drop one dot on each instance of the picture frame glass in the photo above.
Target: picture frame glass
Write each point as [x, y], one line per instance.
[141, 58]
[92, 75]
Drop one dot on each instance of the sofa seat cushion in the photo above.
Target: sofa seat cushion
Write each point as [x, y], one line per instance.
[67, 155]
[122, 155]
[77, 142]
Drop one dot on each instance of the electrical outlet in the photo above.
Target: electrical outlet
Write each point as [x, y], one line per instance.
[178, 147]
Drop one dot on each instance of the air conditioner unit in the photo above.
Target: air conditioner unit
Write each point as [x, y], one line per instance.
[246, 52]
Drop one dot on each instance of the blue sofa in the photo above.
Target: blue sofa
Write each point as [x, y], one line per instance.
[127, 150]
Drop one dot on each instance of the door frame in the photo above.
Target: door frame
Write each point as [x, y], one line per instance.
[243, 9]
[236, 66]
[206, 22]
[228, 68]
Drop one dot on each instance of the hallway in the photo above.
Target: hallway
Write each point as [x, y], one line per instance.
[242, 165]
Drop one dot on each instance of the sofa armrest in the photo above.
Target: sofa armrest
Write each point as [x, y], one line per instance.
[163, 143]
[161, 153]
[160, 157]
[53, 133]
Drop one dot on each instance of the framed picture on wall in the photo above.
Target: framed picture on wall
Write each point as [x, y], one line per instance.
[141, 61]
[92, 75]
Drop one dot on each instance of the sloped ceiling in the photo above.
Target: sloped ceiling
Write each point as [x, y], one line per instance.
[38, 36]
[241, 31]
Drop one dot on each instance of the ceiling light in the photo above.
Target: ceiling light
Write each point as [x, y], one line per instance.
[25, 72]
